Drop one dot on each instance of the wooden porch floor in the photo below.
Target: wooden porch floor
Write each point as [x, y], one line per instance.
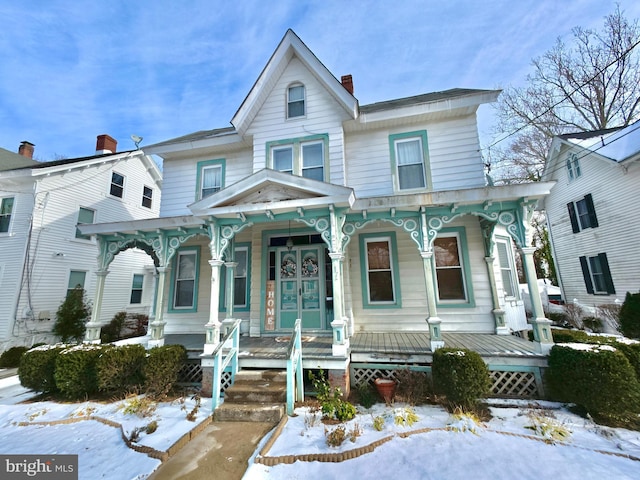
[404, 344]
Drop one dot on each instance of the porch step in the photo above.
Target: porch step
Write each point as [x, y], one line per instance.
[255, 396]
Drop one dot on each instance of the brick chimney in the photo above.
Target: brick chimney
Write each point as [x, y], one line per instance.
[347, 82]
[106, 144]
[26, 149]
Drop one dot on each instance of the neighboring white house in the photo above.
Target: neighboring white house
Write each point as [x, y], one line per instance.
[43, 254]
[353, 218]
[592, 213]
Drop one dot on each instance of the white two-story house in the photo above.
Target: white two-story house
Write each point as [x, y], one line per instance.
[42, 252]
[591, 213]
[355, 219]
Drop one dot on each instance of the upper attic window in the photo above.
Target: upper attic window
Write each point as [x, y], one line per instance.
[573, 166]
[295, 101]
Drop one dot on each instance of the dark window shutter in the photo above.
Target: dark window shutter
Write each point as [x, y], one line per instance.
[608, 280]
[573, 217]
[593, 220]
[586, 274]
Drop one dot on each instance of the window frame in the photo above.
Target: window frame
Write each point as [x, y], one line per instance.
[246, 246]
[84, 281]
[134, 289]
[113, 185]
[201, 167]
[297, 153]
[572, 165]
[588, 274]
[148, 198]
[172, 308]
[9, 215]
[78, 235]
[581, 220]
[390, 238]
[394, 140]
[508, 270]
[290, 102]
[463, 258]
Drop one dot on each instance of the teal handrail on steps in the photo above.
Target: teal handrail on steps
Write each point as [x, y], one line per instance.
[231, 358]
[295, 383]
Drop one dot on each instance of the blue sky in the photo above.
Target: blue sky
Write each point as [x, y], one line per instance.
[71, 70]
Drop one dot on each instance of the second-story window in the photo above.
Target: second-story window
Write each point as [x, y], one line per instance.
[6, 209]
[295, 101]
[573, 166]
[210, 177]
[582, 214]
[147, 197]
[305, 157]
[117, 185]
[85, 216]
[409, 160]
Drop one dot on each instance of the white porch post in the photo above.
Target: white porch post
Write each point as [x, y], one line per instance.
[230, 287]
[498, 313]
[340, 344]
[541, 325]
[213, 326]
[434, 322]
[156, 327]
[92, 332]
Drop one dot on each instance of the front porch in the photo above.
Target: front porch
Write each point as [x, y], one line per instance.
[514, 364]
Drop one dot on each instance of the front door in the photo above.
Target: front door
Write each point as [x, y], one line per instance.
[300, 287]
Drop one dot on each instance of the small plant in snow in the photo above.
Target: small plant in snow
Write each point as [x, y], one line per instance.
[191, 416]
[312, 417]
[378, 423]
[134, 436]
[548, 428]
[405, 417]
[35, 415]
[462, 421]
[355, 432]
[151, 427]
[335, 437]
[140, 406]
[83, 412]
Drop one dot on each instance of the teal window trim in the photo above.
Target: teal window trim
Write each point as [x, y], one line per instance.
[209, 163]
[463, 251]
[137, 285]
[223, 282]
[422, 135]
[296, 145]
[172, 285]
[363, 239]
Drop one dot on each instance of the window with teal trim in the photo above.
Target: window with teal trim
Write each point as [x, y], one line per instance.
[241, 280]
[210, 177]
[450, 268]
[185, 280]
[409, 159]
[136, 289]
[305, 157]
[379, 270]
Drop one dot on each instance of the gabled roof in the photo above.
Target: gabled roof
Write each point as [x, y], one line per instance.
[11, 161]
[290, 46]
[272, 190]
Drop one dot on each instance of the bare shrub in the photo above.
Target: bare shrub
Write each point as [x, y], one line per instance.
[574, 313]
[609, 313]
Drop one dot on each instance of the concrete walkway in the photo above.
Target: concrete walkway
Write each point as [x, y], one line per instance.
[221, 451]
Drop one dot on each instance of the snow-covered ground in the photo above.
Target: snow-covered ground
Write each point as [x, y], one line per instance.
[503, 448]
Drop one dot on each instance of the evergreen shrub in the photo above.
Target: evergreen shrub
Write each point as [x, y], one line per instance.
[76, 370]
[111, 332]
[11, 358]
[71, 316]
[630, 316]
[461, 375]
[162, 367]
[599, 379]
[38, 366]
[120, 369]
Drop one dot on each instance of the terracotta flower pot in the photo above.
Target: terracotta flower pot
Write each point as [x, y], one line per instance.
[386, 388]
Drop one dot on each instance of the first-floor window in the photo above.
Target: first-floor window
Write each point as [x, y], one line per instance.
[185, 279]
[380, 277]
[136, 288]
[597, 275]
[76, 280]
[240, 277]
[6, 208]
[449, 268]
[507, 270]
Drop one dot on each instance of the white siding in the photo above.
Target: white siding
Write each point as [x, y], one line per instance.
[616, 201]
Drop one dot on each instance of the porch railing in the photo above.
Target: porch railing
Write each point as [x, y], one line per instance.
[230, 343]
[295, 383]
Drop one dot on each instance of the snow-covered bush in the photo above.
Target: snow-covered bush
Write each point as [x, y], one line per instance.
[76, 372]
[120, 369]
[38, 367]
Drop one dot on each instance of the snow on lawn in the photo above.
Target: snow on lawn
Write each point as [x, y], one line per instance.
[589, 452]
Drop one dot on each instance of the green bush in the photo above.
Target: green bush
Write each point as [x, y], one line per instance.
[630, 316]
[72, 316]
[461, 375]
[111, 332]
[76, 370]
[632, 352]
[38, 366]
[11, 358]
[119, 369]
[162, 367]
[570, 336]
[601, 380]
